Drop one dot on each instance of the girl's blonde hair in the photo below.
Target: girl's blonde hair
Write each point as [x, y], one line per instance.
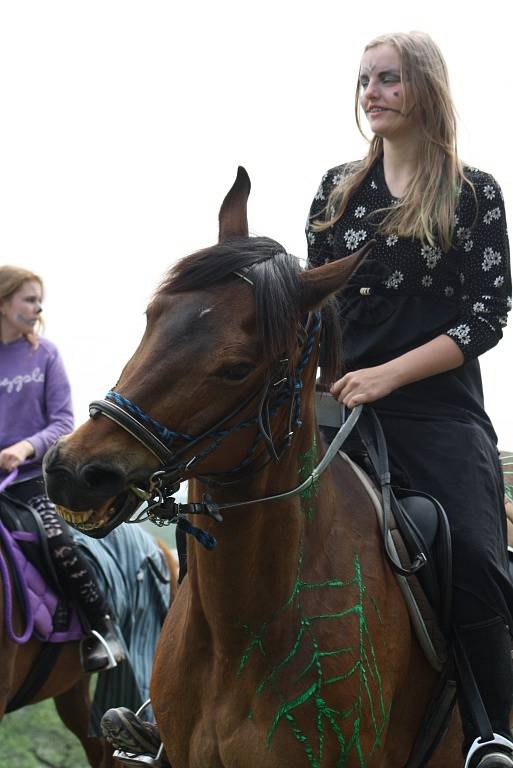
[428, 207]
[11, 280]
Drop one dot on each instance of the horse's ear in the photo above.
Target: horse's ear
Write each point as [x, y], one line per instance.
[320, 283]
[233, 216]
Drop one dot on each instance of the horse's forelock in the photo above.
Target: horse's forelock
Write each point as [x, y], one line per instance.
[274, 274]
[277, 292]
[211, 266]
[272, 271]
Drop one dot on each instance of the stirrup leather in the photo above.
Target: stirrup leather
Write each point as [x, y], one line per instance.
[111, 659]
[132, 760]
[478, 744]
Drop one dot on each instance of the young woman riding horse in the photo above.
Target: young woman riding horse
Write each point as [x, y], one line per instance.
[35, 409]
[288, 643]
[434, 296]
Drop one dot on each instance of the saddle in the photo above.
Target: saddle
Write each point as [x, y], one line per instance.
[34, 578]
[416, 535]
[27, 529]
[46, 614]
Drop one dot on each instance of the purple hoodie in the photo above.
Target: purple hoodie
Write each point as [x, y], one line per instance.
[35, 399]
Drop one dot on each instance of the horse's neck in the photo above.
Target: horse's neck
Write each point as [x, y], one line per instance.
[260, 547]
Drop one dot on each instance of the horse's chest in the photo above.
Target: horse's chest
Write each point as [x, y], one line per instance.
[224, 740]
[284, 715]
[307, 689]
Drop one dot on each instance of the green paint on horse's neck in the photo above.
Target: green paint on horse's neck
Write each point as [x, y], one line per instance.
[307, 463]
[318, 686]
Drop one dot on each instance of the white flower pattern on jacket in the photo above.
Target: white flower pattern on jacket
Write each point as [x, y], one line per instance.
[474, 275]
[353, 238]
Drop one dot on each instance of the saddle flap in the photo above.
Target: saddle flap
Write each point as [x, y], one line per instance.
[422, 515]
[425, 521]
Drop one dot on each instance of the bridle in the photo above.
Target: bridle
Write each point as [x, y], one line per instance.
[171, 447]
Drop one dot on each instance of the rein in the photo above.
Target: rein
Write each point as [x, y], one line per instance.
[333, 448]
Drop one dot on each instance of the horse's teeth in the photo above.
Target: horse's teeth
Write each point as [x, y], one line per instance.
[75, 517]
[81, 519]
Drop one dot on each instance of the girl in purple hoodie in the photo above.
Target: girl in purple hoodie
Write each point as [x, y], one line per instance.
[35, 409]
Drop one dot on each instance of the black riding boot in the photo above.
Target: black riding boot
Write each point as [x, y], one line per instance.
[488, 648]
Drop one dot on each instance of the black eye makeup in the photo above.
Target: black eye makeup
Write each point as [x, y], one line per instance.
[386, 76]
[390, 77]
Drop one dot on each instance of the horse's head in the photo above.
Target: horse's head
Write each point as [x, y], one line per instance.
[227, 332]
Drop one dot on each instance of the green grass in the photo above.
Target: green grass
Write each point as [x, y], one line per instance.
[34, 737]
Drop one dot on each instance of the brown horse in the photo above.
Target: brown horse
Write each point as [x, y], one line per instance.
[289, 644]
[66, 684]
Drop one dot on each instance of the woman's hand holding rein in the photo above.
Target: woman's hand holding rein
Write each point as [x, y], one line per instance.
[370, 384]
[14, 455]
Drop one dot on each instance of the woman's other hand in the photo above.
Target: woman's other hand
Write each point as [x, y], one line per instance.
[14, 455]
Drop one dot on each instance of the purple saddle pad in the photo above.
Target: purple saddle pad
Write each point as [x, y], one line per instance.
[41, 598]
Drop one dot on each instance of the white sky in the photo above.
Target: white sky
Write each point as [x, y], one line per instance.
[123, 124]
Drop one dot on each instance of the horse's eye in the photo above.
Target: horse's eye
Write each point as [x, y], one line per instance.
[235, 372]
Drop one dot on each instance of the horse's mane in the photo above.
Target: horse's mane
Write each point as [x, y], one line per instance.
[274, 274]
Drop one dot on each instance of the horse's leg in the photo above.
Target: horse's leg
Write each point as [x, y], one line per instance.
[74, 708]
[7, 654]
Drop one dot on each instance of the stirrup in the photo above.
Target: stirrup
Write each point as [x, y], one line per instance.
[132, 760]
[141, 761]
[478, 744]
[111, 659]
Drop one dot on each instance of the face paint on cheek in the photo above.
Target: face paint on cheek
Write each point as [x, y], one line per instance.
[24, 320]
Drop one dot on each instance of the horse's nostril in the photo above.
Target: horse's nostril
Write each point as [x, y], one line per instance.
[98, 477]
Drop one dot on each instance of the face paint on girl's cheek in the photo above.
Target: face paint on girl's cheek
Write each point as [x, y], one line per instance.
[24, 320]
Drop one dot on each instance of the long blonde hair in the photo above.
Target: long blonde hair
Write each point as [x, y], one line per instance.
[11, 280]
[428, 208]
